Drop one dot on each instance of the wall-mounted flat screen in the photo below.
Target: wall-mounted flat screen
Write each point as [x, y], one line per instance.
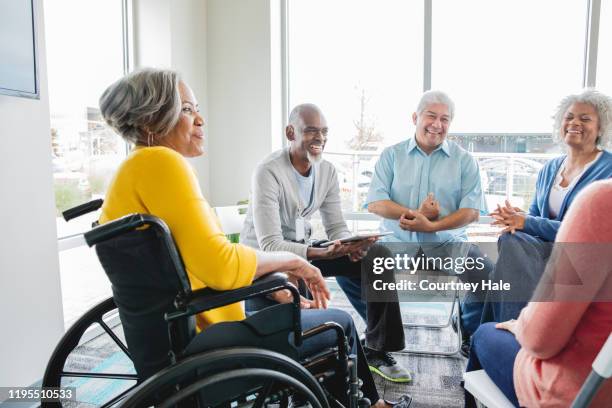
[18, 68]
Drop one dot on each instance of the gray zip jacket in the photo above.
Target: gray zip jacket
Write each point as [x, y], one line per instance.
[275, 204]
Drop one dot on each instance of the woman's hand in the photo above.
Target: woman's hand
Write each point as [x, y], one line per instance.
[311, 275]
[508, 206]
[509, 325]
[285, 296]
[509, 217]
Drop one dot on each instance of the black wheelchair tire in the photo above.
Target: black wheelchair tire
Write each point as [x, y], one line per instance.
[213, 364]
[69, 341]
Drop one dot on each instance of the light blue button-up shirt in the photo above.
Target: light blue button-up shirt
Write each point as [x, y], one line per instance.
[405, 174]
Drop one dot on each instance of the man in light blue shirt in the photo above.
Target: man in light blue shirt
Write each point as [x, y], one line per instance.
[427, 189]
[412, 175]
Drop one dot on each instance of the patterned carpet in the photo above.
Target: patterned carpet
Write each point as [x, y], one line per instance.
[436, 380]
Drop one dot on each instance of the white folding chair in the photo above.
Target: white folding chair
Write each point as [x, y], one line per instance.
[486, 392]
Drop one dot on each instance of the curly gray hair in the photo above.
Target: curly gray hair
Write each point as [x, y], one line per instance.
[141, 103]
[602, 104]
[431, 97]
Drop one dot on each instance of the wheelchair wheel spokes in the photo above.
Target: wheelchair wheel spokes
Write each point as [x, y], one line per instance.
[263, 394]
[63, 368]
[223, 375]
[115, 338]
[221, 380]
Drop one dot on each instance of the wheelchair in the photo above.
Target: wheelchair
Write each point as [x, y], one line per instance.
[250, 363]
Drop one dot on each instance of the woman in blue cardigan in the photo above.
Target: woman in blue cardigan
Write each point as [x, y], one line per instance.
[583, 123]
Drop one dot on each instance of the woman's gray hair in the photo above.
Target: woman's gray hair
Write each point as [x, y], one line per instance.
[141, 103]
[602, 104]
[431, 97]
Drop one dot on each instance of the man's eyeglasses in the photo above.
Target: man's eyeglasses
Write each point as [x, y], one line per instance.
[314, 130]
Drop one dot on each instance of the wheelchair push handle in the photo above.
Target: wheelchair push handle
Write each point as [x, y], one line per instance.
[113, 229]
[82, 209]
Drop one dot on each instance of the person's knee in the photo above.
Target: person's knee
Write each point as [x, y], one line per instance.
[379, 250]
[343, 318]
[483, 333]
[506, 240]
[519, 238]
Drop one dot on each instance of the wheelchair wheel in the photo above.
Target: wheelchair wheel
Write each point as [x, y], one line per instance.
[255, 377]
[55, 371]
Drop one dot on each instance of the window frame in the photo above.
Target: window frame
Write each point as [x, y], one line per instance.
[589, 60]
[71, 241]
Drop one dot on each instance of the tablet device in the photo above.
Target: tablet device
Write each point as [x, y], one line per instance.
[357, 237]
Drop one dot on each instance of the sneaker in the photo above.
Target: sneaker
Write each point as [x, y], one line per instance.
[403, 402]
[383, 364]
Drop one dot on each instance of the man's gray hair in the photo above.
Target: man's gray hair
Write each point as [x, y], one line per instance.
[142, 102]
[602, 104]
[295, 117]
[431, 97]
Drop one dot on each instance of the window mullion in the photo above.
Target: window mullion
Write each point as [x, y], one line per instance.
[591, 43]
[284, 66]
[427, 27]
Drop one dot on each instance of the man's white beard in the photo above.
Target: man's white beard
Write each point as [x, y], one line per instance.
[314, 159]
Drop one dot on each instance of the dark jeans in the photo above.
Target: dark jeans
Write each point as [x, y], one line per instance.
[473, 303]
[495, 350]
[521, 262]
[312, 345]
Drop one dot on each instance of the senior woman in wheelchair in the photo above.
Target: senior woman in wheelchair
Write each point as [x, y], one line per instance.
[583, 123]
[158, 113]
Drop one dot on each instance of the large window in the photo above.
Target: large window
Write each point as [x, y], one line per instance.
[506, 64]
[361, 62]
[604, 56]
[85, 53]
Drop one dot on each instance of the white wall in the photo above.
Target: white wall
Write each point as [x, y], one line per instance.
[31, 320]
[172, 34]
[243, 87]
[229, 53]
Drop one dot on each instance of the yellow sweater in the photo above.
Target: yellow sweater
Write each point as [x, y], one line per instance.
[159, 181]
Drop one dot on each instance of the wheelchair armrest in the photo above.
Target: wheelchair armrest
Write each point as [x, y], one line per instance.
[82, 209]
[205, 299]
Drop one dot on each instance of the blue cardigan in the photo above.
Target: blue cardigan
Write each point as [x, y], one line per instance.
[538, 222]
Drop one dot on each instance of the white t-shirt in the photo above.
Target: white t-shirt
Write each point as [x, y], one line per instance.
[306, 186]
[558, 193]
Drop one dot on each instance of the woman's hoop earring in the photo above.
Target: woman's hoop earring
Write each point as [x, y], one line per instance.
[149, 138]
